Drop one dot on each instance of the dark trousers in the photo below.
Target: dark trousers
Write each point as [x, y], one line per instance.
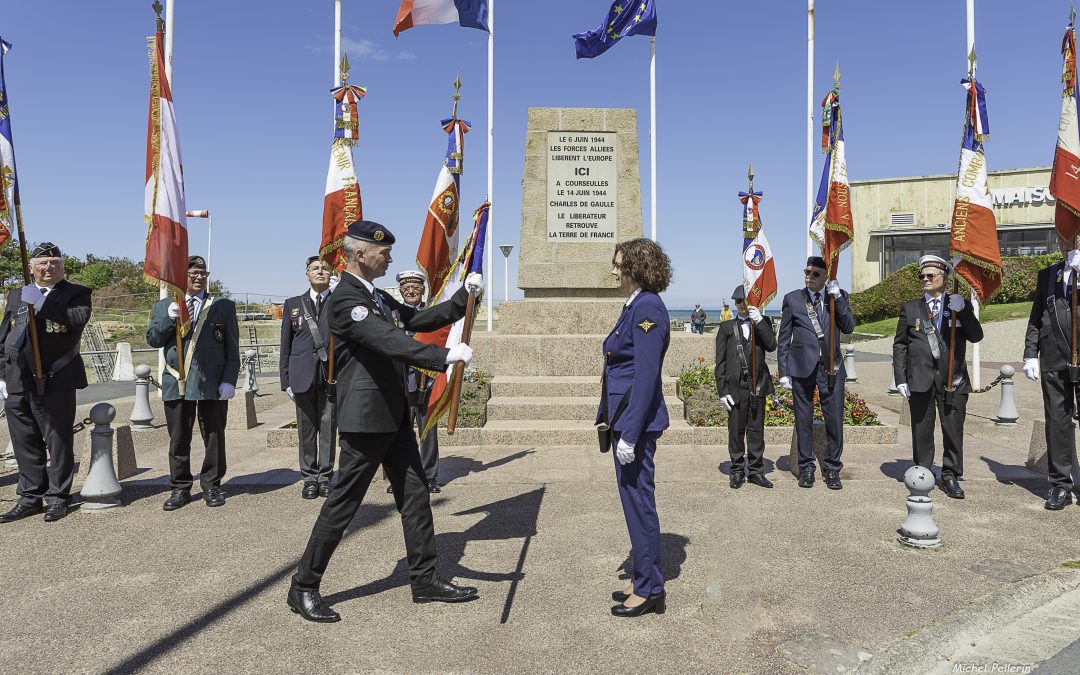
[747, 420]
[429, 447]
[180, 417]
[637, 490]
[316, 422]
[1059, 406]
[832, 407]
[41, 427]
[924, 405]
[361, 455]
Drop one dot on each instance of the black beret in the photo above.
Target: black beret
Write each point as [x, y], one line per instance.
[369, 230]
[739, 294]
[196, 262]
[46, 249]
[311, 259]
[816, 261]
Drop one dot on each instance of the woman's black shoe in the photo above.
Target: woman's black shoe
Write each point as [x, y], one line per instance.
[656, 603]
[619, 596]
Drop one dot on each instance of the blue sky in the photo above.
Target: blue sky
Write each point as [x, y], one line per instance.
[251, 85]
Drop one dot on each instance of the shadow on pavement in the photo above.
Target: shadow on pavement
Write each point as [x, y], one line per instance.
[672, 556]
[245, 484]
[896, 468]
[1019, 475]
[454, 467]
[768, 466]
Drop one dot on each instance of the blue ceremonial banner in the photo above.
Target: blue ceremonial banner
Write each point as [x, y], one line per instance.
[625, 18]
[474, 247]
[9, 181]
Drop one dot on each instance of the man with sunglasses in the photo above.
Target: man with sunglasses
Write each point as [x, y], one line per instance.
[211, 348]
[745, 404]
[921, 351]
[802, 363]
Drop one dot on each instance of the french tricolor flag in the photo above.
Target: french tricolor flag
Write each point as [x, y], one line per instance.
[467, 13]
[1065, 177]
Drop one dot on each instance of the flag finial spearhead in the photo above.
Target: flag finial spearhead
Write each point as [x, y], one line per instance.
[1072, 14]
[157, 10]
[457, 93]
[971, 60]
[836, 76]
[750, 175]
[344, 66]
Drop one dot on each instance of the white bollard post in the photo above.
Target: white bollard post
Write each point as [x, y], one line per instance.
[252, 382]
[919, 530]
[101, 489]
[1007, 414]
[142, 416]
[849, 364]
[893, 391]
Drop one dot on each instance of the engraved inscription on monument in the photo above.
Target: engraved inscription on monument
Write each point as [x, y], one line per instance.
[582, 175]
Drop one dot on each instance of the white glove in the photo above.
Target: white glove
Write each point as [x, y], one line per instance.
[1074, 260]
[289, 391]
[225, 391]
[625, 452]
[1031, 369]
[904, 390]
[785, 382]
[3, 389]
[727, 402]
[460, 352]
[32, 295]
[333, 283]
[832, 287]
[956, 302]
[754, 313]
[174, 311]
[474, 283]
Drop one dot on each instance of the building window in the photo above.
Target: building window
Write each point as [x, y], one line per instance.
[900, 250]
[1027, 242]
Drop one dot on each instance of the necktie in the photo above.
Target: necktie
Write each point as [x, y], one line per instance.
[817, 305]
[191, 309]
[935, 316]
[378, 301]
[318, 305]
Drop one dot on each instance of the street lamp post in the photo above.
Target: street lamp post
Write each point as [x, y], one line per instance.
[209, 231]
[506, 248]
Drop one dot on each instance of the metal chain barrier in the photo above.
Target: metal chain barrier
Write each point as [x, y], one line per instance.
[79, 426]
[989, 386]
[153, 381]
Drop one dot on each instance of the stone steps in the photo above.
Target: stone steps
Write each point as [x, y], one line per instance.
[569, 385]
[556, 408]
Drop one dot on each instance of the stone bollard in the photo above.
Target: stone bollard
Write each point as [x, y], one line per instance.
[893, 391]
[142, 416]
[252, 382]
[101, 489]
[849, 364]
[123, 370]
[919, 530]
[1007, 414]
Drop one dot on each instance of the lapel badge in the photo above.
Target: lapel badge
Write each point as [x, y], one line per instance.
[296, 311]
[918, 324]
[646, 325]
[219, 334]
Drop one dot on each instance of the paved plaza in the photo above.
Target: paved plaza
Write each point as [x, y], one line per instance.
[766, 581]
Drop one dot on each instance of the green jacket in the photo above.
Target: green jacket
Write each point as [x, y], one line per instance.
[216, 358]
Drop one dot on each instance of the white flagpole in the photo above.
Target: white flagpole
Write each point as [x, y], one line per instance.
[652, 132]
[809, 124]
[490, 154]
[337, 43]
[976, 361]
[169, 6]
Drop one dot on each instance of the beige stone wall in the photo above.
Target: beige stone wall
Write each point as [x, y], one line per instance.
[930, 198]
[574, 269]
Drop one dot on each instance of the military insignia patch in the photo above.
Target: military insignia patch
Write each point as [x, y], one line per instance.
[296, 311]
[359, 313]
[646, 325]
[219, 333]
[378, 236]
[918, 324]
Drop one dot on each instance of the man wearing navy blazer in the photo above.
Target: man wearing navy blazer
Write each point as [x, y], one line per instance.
[802, 363]
[305, 352]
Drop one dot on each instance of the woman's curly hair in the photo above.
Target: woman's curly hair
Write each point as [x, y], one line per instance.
[646, 263]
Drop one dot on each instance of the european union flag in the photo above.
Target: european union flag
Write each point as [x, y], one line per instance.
[625, 18]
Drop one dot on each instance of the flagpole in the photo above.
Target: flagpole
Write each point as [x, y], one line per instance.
[337, 43]
[169, 7]
[652, 132]
[490, 154]
[810, 123]
[976, 361]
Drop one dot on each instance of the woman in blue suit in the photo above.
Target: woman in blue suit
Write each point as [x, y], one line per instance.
[635, 410]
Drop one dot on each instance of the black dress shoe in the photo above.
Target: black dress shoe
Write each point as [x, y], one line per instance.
[310, 605]
[178, 498]
[1058, 499]
[951, 488]
[806, 477]
[54, 512]
[444, 591]
[389, 489]
[324, 489]
[21, 511]
[433, 487]
[737, 480]
[619, 596]
[213, 496]
[657, 603]
[760, 480]
[311, 490]
[832, 480]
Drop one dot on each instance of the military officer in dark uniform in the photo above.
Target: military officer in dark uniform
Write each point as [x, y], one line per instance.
[40, 425]
[305, 350]
[802, 363]
[211, 368]
[921, 368]
[1048, 357]
[373, 354]
[746, 408]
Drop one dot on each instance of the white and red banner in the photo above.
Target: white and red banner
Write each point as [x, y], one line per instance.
[164, 212]
[759, 271]
[341, 204]
[1065, 176]
[832, 225]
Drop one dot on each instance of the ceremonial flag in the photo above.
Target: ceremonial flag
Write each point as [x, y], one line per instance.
[164, 214]
[1065, 176]
[625, 18]
[973, 238]
[341, 201]
[467, 13]
[9, 181]
[471, 259]
[759, 271]
[831, 224]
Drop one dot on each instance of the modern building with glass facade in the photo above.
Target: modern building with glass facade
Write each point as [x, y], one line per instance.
[897, 220]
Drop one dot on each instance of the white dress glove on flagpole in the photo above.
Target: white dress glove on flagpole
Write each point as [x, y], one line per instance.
[785, 382]
[727, 402]
[289, 392]
[833, 288]
[32, 295]
[174, 311]
[904, 390]
[956, 302]
[460, 352]
[625, 452]
[1031, 369]
[225, 391]
[1074, 260]
[3, 389]
[474, 283]
[754, 313]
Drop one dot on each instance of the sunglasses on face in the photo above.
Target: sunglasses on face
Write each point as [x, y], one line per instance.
[813, 274]
[928, 277]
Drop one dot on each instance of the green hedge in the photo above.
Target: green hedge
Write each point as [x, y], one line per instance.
[883, 300]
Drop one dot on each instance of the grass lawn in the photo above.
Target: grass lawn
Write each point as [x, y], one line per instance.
[989, 314]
